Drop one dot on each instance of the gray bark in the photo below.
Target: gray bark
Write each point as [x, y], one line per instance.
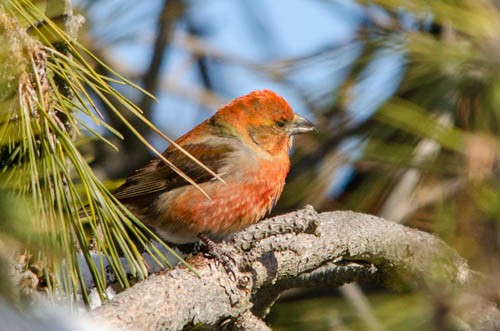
[299, 249]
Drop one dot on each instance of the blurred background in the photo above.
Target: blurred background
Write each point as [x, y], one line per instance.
[405, 96]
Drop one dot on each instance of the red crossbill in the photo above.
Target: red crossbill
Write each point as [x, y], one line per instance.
[247, 143]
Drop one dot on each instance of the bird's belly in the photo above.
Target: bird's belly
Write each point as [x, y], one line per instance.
[184, 213]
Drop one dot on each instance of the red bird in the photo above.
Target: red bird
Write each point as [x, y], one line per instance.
[247, 143]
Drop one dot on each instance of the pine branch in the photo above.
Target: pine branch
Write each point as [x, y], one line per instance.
[300, 249]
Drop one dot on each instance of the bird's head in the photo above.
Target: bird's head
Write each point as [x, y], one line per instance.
[262, 118]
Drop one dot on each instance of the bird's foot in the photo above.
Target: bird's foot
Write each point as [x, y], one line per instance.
[221, 255]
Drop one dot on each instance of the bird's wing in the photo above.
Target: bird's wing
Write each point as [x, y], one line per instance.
[157, 176]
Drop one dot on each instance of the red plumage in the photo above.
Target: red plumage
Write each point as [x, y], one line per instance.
[246, 143]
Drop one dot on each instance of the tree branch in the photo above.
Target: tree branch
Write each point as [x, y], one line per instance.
[111, 163]
[299, 249]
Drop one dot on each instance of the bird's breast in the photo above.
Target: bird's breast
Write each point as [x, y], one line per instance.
[250, 191]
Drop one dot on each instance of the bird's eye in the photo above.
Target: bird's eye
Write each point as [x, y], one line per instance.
[280, 123]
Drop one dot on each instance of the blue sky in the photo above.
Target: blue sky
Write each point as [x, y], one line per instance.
[261, 32]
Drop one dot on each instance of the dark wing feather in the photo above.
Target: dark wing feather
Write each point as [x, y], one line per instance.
[157, 176]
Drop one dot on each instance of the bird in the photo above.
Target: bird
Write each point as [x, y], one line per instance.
[247, 144]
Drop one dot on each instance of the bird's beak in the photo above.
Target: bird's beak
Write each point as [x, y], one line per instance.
[301, 125]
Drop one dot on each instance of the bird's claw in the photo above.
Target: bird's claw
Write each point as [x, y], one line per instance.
[221, 255]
